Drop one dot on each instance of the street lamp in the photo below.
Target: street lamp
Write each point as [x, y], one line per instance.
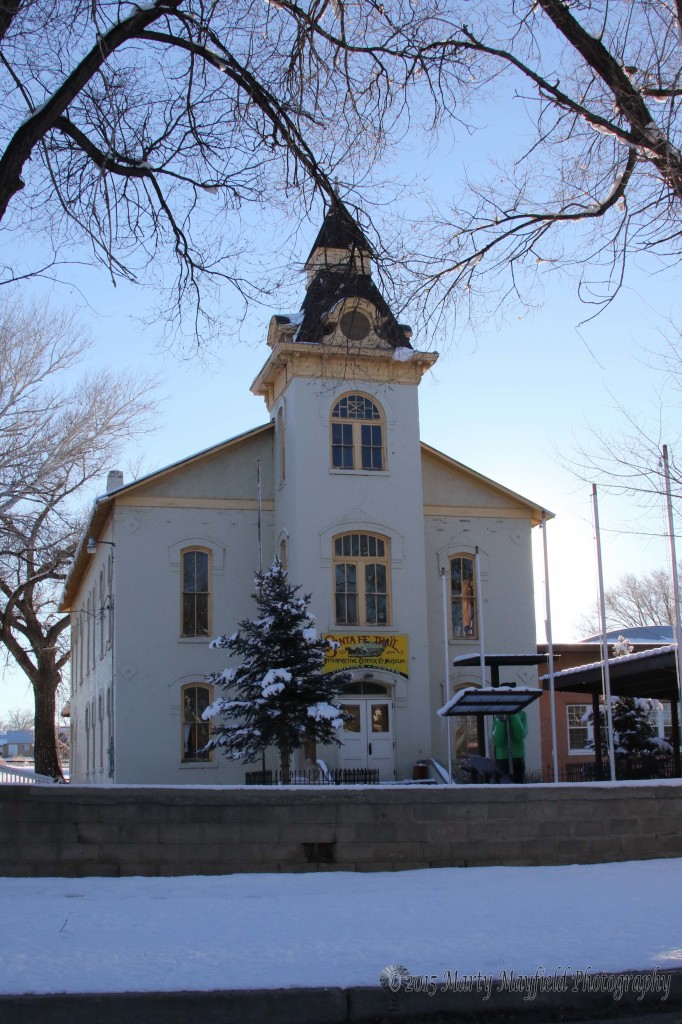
[91, 546]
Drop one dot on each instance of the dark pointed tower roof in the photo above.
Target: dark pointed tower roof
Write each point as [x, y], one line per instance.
[334, 278]
[340, 231]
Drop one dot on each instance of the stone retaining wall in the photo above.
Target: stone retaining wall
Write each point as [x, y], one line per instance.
[76, 831]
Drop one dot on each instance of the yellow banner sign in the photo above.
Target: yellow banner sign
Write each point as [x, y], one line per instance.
[367, 650]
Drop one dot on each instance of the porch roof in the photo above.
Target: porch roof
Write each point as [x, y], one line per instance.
[649, 673]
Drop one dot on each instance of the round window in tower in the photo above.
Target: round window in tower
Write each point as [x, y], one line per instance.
[354, 325]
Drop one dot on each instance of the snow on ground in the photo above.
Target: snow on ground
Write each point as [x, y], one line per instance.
[336, 928]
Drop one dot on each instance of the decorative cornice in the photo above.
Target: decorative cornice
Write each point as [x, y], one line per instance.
[336, 362]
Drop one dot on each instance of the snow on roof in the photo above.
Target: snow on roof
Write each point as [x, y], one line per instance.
[623, 659]
[289, 318]
[493, 695]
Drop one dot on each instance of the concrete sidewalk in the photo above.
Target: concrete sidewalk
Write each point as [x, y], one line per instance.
[377, 1005]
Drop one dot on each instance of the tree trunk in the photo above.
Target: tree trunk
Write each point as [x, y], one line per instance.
[45, 740]
[285, 762]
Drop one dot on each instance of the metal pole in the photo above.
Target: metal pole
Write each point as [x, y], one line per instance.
[446, 651]
[550, 651]
[260, 541]
[260, 569]
[481, 632]
[510, 761]
[673, 557]
[605, 649]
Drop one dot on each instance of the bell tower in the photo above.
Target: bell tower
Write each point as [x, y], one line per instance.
[341, 384]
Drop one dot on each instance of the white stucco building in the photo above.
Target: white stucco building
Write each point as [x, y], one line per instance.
[365, 517]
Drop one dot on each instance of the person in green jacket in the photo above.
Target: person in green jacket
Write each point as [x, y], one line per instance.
[517, 730]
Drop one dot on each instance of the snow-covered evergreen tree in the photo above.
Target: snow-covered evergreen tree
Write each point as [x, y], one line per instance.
[637, 747]
[277, 695]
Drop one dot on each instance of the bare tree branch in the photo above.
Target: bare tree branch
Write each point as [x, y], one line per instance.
[54, 440]
[120, 118]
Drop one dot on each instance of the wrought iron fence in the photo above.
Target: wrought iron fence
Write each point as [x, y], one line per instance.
[631, 768]
[314, 777]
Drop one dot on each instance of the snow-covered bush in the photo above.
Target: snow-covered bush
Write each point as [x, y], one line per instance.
[622, 647]
[277, 696]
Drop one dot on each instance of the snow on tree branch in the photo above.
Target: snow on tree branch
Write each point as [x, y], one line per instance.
[278, 694]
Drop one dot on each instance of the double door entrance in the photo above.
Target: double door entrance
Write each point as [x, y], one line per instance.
[367, 737]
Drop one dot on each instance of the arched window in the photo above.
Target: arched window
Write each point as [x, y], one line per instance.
[196, 592]
[357, 434]
[93, 612]
[196, 733]
[75, 631]
[361, 580]
[101, 612]
[94, 732]
[110, 600]
[100, 715]
[88, 626]
[81, 641]
[109, 732]
[463, 597]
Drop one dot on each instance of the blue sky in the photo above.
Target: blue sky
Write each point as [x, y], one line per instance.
[505, 401]
[505, 404]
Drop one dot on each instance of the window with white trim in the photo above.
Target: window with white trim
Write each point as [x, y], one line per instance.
[580, 731]
[110, 600]
[361, 580]
[93, 635]
[100, 716]
[660, 718]
[75, 660]
[357, 434]
[101, 612]
[281, 433]
[196, 592]
[109, 733]
[88, 627]
[463, 617]
[94, 731]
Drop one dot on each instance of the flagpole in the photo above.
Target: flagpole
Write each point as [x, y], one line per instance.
[260, 540]
[481, 633]
[550, 650]
[673, 556]
[446, 646]
[605, 649]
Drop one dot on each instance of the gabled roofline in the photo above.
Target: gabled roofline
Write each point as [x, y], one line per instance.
[538, 513]
[104, 504]
[157, 474]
